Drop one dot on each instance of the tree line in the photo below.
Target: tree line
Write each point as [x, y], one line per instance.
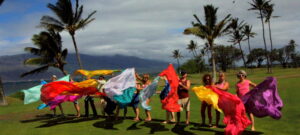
[238, 31]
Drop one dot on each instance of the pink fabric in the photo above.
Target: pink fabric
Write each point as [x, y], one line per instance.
[221, 85]
[243, 88]
[62, 98]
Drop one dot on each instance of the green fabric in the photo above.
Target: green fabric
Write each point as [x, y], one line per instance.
[125, 99]
[33, 94]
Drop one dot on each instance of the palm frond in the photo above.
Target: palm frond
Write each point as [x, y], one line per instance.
[36, 61]
[32, 50]
[38, 70]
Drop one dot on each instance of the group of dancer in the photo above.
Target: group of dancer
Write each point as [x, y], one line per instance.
[129, 89]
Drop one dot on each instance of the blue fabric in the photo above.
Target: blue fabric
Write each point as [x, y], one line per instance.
[164, 93]
[148, 92]
[135, 101]
[126, 98]
[42, 106]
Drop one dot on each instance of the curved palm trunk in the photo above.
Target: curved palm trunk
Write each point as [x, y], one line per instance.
[2, 95]
[77, 53]
[213, 61]
[249, 48]
[178, 70]
[243, 55]
[264, 38]
[271, 42]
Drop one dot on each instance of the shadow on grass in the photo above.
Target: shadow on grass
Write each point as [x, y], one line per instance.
[134, 126]
[64, 120]
[38, 118]
[108, 124]
[207, 129]
[155, 127]
[179, 129]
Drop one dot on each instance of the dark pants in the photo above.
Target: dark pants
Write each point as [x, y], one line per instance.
[86, 106]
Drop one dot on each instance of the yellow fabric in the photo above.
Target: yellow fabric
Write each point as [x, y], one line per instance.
[207, 95]
[87, 83]
[90, 74]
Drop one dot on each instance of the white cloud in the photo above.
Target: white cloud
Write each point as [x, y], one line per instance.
[153, 29]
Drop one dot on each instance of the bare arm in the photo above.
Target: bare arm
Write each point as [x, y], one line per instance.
[252, 84]
[187, 86]
[225, 88]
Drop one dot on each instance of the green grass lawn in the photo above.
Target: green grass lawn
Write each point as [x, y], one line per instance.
[19, 119]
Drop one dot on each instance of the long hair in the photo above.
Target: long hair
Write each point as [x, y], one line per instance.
[207, 79]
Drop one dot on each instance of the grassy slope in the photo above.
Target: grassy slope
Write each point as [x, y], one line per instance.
[25, 119]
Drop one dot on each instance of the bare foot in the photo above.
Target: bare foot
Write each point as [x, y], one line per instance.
[252, 129]
[136, 119]
[187, 122]
[164, 122]
[148, 119]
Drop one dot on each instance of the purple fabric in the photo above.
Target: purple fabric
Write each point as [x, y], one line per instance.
[264, 99]
[62, 98]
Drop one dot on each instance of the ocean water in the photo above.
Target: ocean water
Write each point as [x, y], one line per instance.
[13, 87]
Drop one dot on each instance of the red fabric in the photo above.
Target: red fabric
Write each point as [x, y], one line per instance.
[235, 114]
[51, 90]
[170, 103]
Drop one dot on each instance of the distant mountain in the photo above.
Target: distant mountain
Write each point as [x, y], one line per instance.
[12, 66]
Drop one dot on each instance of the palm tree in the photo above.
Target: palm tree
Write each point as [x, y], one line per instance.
[268, 11]
[236, 35]
[260, 6]
[68, 20]
[210, 30]
[192, 47]
[249, 34]
[177, 55]
[49, 52]
[1, 1]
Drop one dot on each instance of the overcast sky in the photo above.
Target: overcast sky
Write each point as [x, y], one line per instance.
[144, 28]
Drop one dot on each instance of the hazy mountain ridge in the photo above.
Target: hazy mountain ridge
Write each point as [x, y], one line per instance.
[12, 66]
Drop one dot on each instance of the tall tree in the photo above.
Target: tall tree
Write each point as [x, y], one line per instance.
[67, 19]
[49, 51]
[237, 36]
[260, 5]
[192, 47]
[268, 13]
[226, 56]
[210, 30]
[249, 34]
[177, 55]
[256, 55]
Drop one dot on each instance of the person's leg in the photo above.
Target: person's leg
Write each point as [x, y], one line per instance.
[217, 118]
[252, 121]
[77, 108]
[148, 113]
[54, 112]
[137, 113]
[209, 115]
[61, 110]
[178, 117]
[203, 108]
[117, 112]
[188, 113]
[172, 117]
[125, 112]
[93, 107]
[86, 106]
[167, 118]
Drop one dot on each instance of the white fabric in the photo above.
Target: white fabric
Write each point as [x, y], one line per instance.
[117, 84]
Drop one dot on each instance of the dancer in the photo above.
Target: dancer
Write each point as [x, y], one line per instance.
[89, 99]
[103, 103]
[145, 81]
[242, 88]
[207, 80]
[223, 85]
[54, 78]
[184, 98]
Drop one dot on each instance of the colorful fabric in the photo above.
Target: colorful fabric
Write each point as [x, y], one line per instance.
[87, 83]
[165, 91]
[170, 103]
[235, 114]
[54, 89]
[264, 99]
[148, 92]
[90, 74]
[126, 98]
[207, 95]
[62, 98]
[118, 84]
[34, 94]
